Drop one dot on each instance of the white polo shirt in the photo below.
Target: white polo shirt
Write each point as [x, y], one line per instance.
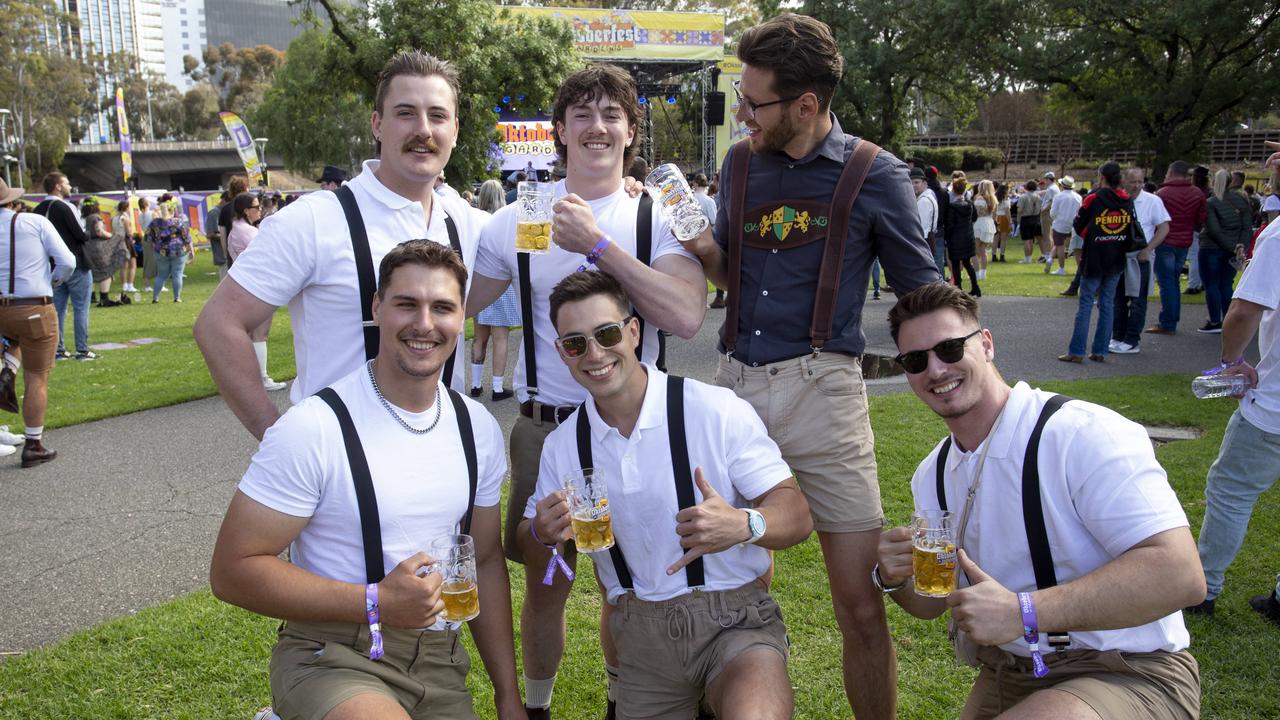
[1261, 405]
[927, 207]
[35, 240]
[1065, 206]
[1151, 213]
[725, 438]
[1102, 492]
[302, 258]
[420, 481]
[616, 216]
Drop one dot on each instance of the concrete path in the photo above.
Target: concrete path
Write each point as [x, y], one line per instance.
[126, 517]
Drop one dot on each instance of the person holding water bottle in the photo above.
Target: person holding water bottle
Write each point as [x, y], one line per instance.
[385, 559]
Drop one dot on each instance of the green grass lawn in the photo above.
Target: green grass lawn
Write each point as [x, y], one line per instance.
[1013, 278]
[198, 658]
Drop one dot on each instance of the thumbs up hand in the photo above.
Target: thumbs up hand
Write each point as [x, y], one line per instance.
[710, 526]
[986, 610]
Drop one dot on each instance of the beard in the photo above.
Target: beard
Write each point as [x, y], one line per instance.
[775, 139]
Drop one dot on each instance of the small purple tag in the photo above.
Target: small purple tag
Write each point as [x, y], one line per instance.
[1037, 661]
[555, 561]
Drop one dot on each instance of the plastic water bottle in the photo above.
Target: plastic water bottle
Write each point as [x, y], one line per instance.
[1216, 386]
[667, 186]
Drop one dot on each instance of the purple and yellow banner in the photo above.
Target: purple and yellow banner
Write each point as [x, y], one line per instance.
[639, 35]
[126, 145]
[244, 144]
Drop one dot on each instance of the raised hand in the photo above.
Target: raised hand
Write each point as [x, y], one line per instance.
[986, 610]
[710, 526]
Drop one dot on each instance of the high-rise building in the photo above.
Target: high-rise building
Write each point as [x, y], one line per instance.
[249, 23]
[115, 26]
[185, 34]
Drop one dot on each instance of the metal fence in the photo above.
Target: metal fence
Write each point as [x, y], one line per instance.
[1026, 148]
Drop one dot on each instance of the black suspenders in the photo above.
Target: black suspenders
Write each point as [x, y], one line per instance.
[644, 252]
[695, 575]
[367, 275]
[366, 499]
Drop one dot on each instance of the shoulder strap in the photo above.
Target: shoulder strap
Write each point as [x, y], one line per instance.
[694, 572]
[584, 461]
[364, 267]
[855, 173]
[526, 331]
[740, 165]
[370, 527]
[1032, 510]
[13, 249]
[942, 470]
[467, 433]
[644, 253]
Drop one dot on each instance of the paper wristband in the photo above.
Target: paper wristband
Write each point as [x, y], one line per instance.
[1031, 633]
[593, 257]
[375, 627]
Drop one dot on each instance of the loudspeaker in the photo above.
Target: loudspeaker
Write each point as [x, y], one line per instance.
[715, 108]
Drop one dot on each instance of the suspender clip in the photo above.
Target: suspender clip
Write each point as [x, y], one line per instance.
[816, 350]
[367, 323]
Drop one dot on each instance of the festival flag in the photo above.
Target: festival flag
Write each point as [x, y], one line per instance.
[126, 145]
[244, 144]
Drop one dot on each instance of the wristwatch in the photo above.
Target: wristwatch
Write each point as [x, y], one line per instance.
[755, 523]
[879, 583]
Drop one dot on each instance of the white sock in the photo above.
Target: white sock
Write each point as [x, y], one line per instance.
[260, 349]
[477, 375]
[497, 383]
[537, 693]
[12, 362]
[34, 433]
[611, 673]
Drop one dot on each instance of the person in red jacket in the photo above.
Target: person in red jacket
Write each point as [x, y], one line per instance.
[1187, 208]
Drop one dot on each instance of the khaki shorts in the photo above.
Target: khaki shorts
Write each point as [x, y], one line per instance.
[35, 327]
[317, 666]
[1046, 225]
[670, 651]
[527, 439]
[1060, 238]
[815, 409]
[1117, 685]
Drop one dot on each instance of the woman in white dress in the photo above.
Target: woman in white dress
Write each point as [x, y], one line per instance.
[984, 228]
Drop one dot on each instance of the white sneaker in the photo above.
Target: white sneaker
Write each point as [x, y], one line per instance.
[1123, 348]
[1061, 271]
[1025, 261]
[7, 450]
[8, 438]
[270, 384]
[266, 713]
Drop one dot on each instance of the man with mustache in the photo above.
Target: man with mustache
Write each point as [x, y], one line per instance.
[318, 255]
[805, 209]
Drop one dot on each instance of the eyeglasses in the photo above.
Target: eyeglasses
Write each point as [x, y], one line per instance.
[606, 336]
[752, 107]
[255, 207]
[948, 351]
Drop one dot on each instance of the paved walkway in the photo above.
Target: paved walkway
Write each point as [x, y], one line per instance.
[127, 515]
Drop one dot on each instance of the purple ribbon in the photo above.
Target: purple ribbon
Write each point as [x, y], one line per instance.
[375, 627]
[556, 560]
[1222, 366]
[1031, 633]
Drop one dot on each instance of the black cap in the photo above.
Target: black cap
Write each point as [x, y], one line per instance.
[333, 174]
[917, 173]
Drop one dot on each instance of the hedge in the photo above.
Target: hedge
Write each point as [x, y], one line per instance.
[963, 157]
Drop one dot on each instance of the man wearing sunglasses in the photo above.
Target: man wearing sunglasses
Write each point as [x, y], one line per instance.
[804, 211]
[596, 224]
[698, 494]
[1076, 553]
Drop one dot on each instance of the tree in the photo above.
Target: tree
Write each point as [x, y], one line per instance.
[154, 107]
[497, 56]
[241, 76]
[1159, 76]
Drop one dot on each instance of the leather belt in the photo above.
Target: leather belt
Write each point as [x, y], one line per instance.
[547, 413]
[6, 300]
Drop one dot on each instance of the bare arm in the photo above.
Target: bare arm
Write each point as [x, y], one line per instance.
[714, 525]
[1162, 231]
[492, 628]
[222, 332]
[247, 571]
[1239, 326]
[484, 290]
[673, 293]
[896, 569]
[715, 262]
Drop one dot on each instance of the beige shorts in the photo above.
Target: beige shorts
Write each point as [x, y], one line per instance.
[35, 327]
[527, 439]
[815, 409]
[670, 651]
[1117, 685]
[317, 666]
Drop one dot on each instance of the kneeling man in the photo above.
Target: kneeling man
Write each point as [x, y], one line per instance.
[357, 481]
[697, 495]
[1077, 552]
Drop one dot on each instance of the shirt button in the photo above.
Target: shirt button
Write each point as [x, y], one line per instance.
[773, 371]
[757, 332]
[756, 364]
[765, 293]
[775, 251]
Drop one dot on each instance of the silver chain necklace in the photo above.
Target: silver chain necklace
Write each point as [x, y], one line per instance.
[378, 391]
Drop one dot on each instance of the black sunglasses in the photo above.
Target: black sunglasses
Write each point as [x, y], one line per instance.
[948, 351]
[606, 336]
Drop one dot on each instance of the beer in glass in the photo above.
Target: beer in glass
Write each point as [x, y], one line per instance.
[455, 557]
[589, 515]
[933, 552]
[533, 216]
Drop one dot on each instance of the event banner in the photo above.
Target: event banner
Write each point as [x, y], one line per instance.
[527, 143]
[639, 35]
[126, 145]
[244, 144]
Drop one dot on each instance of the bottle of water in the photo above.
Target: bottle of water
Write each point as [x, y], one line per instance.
[671, 191]
[1216, 386]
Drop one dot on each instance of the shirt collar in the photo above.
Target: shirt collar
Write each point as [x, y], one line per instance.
[1019, 399]
[832, 147]
[653, 409]
[384, 195]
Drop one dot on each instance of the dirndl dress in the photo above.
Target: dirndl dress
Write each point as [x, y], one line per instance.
[504, 312]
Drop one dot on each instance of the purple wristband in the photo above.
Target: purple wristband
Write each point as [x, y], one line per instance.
[1031, 633]
[556, 561]
[593, 257]
[375, 627]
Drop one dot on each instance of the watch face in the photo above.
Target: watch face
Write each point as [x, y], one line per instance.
[757, 524]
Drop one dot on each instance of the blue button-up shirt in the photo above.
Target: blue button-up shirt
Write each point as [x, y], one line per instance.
[778, 286]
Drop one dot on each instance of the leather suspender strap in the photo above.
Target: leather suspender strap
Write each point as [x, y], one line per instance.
[584, 461]
[644, 253]
[847, 189]
[13, 250]
[1032, 510]
[942, 470]
[366, 501]
[526, 320]
[740, 165]
[694, 573]
[468, 436]
[365, 275]
[456, 243]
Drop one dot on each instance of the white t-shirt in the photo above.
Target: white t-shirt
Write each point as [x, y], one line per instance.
[1271, 203]
[302, 257]
[725, 438]
[1151, 213]
[420, 481]
[1065, 206]
[36, 241]
[1046, 197]
[1261, 405]
[616, 216]
[927, 206]
[1102, 491]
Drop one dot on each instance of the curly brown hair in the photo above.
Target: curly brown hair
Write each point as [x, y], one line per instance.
[589, 85]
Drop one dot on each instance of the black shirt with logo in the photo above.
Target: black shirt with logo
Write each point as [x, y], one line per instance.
[1109, 227]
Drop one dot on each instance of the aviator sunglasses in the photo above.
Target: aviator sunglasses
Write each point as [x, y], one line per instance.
[606, 336]
[948, 351]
